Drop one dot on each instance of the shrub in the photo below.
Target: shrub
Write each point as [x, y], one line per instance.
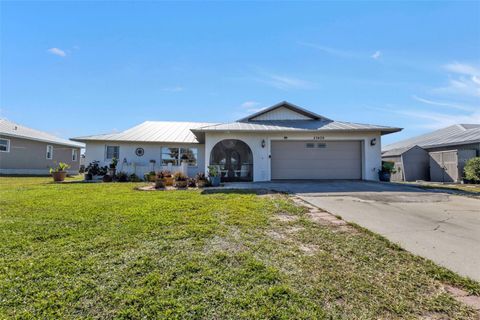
[192, 183]
[122, 176]
[165, 174]
[107, 178]
[472, 169]
[200, 176]
[159, 183]
[178, 176]
[212, 171]
[134, 178]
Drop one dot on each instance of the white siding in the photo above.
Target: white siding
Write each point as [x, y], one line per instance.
[371, 155]
[95, 150]
[282, 113]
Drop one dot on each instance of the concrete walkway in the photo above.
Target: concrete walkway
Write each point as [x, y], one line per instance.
[437, 225]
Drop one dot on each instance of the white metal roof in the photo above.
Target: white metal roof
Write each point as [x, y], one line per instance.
[11, 129]
[153, 131]
[296, 125]
[398, 151]
[457, 134]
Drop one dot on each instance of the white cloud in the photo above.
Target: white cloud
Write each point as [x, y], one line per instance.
[466, 81]
[173, 89]
[437, 120]
[250, 104]
[57, 52]
[462, 68]
[330, 50]
[376, 55]
[284, 82]
[445, 104]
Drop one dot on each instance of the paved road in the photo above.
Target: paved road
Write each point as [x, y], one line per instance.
[437, 225]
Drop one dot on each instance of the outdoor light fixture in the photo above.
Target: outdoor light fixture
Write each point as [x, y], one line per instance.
[263, 143]
[373, 141]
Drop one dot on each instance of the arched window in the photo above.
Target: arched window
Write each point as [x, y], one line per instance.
[234, 160]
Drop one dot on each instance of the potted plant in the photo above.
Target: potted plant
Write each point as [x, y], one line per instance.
[214, 176]
[201, 180]
[180, 179]
[167, 177]
[113, 167]
[60, 172]
[94, 171]
[385, 173]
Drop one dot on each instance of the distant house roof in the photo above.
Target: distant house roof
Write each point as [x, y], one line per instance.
[398, 151]
[152, 131]
[458, 134]
[11, 129]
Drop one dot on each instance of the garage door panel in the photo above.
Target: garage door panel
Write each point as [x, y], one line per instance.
[337, 160]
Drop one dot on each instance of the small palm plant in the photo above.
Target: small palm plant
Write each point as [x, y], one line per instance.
[59, 172]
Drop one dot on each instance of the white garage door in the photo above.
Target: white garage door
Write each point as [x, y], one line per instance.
[316, 160]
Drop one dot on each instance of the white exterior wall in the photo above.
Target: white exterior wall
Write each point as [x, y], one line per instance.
[371, 158]
[96, 151]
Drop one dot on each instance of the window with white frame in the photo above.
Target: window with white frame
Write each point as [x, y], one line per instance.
[4, 145]
[112, 152]
[74, 154]
[49, 152]
[176, 156]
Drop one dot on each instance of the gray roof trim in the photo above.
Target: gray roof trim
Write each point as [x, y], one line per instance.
[287, 105]
[295, 125]
[14, 130]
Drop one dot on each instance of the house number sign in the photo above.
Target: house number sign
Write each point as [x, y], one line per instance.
[318, 138]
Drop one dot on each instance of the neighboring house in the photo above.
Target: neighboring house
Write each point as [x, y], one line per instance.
[447, 150]
[280, 142]
[411, 163]
[32, 152]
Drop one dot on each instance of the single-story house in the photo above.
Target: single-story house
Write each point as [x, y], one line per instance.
[446, 151]
[32, 152]
[283, 141]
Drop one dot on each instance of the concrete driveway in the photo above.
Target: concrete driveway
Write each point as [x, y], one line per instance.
[437, 225]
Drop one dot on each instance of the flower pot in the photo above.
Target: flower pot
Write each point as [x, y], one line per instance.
[168, 181]
[59, 176]
[181, 184]
[201, 183]
[384, 176]
[215, 181]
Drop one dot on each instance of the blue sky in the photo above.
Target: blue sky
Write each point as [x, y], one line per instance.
[79, 68]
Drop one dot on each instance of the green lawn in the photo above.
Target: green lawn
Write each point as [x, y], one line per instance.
[474, 189]
[108, 251]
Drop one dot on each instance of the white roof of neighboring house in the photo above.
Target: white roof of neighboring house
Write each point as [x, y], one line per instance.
[193, 132]
[153, 131]
[11, 129]
[457, 134]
